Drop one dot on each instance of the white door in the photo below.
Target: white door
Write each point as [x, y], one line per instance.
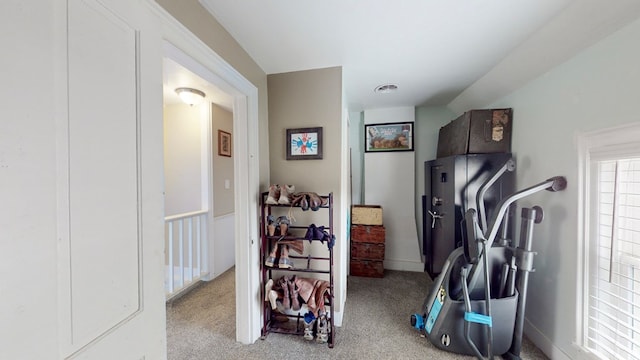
[110, 171]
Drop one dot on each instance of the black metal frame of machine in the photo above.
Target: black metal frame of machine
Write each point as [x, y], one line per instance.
[476, 305]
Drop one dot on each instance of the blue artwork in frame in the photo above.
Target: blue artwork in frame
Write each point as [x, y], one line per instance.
[304, 144]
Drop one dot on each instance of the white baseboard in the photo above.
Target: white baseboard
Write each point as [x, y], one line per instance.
[543, 342]
[403, 265]
[337, 318]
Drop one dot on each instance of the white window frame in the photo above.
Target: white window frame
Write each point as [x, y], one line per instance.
[606, 144]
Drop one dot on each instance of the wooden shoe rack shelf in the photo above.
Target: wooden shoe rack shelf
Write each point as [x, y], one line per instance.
[290, 322]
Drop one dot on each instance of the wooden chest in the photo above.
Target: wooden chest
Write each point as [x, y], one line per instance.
[367, 233]
[366, 268]
[370, 251]
[367, 250]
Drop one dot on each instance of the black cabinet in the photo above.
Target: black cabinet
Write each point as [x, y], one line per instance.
[451, 186]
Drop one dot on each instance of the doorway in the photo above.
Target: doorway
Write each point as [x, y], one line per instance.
[202, 61]
[199, 177]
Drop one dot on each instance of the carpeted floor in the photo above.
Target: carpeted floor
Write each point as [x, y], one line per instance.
[201, 324]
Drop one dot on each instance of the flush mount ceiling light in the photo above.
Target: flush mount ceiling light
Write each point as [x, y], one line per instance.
[386, 88]
[190, 96]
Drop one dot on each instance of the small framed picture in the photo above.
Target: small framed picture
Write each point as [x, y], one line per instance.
[388, 137]
[304, 144]
[224, 143]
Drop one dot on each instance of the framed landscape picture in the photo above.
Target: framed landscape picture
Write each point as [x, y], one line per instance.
[388, 137]
[304, 143]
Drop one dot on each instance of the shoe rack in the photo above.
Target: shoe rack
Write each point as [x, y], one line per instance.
[301, 265]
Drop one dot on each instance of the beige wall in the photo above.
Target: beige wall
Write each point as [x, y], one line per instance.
[303, 99]
[200, 22]
[306, 99]
[223, 202]
[183, 126]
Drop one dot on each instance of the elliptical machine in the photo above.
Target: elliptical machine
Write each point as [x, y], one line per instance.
[476, 305]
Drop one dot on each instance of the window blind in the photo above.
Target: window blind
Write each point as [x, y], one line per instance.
[613, 324]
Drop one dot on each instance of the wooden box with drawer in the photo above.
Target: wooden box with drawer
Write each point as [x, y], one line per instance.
[367, 250]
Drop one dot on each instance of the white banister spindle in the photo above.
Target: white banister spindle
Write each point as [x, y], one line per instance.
[181, 252]
[190, 251]
[170, 265]
[198, 246]
[185, 269]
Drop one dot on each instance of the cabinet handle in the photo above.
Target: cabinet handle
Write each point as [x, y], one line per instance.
[434, 217]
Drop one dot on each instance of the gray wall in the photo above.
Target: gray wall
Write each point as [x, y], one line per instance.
[429, 120]
[356, 147]
[596, 89]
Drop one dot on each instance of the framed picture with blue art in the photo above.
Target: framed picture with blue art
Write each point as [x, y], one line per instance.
[304, 143]
[388, 137]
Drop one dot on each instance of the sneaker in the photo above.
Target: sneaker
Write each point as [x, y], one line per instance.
[308, 330]
[285, 193]
[274, 195]
[322, 335]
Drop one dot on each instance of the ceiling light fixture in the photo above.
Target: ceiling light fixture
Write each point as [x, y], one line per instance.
[190, 96]
[386, 88]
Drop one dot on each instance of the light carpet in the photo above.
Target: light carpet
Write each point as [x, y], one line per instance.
[201, 324]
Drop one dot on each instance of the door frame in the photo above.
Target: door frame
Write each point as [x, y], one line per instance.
[246, 165]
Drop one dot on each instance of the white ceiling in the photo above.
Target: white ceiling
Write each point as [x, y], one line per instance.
[177, 75]
[432, 49]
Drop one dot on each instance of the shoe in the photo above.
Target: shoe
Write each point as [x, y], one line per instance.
[304, 203]
[270, 295]
[322, 335]
[271, 225]
[295, 198]
[293, 293]
[270, 261]
[309, 322]
[286, 300]
[285, 193]
[315, 201]
[283, 222]
[319, 233]
[284, 262]
[331, 241]
[274, 195]
[310, 232]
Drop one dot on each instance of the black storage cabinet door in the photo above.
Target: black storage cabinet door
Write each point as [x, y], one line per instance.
[451, 186]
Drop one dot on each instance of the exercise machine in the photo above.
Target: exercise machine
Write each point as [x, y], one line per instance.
[476, 305]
